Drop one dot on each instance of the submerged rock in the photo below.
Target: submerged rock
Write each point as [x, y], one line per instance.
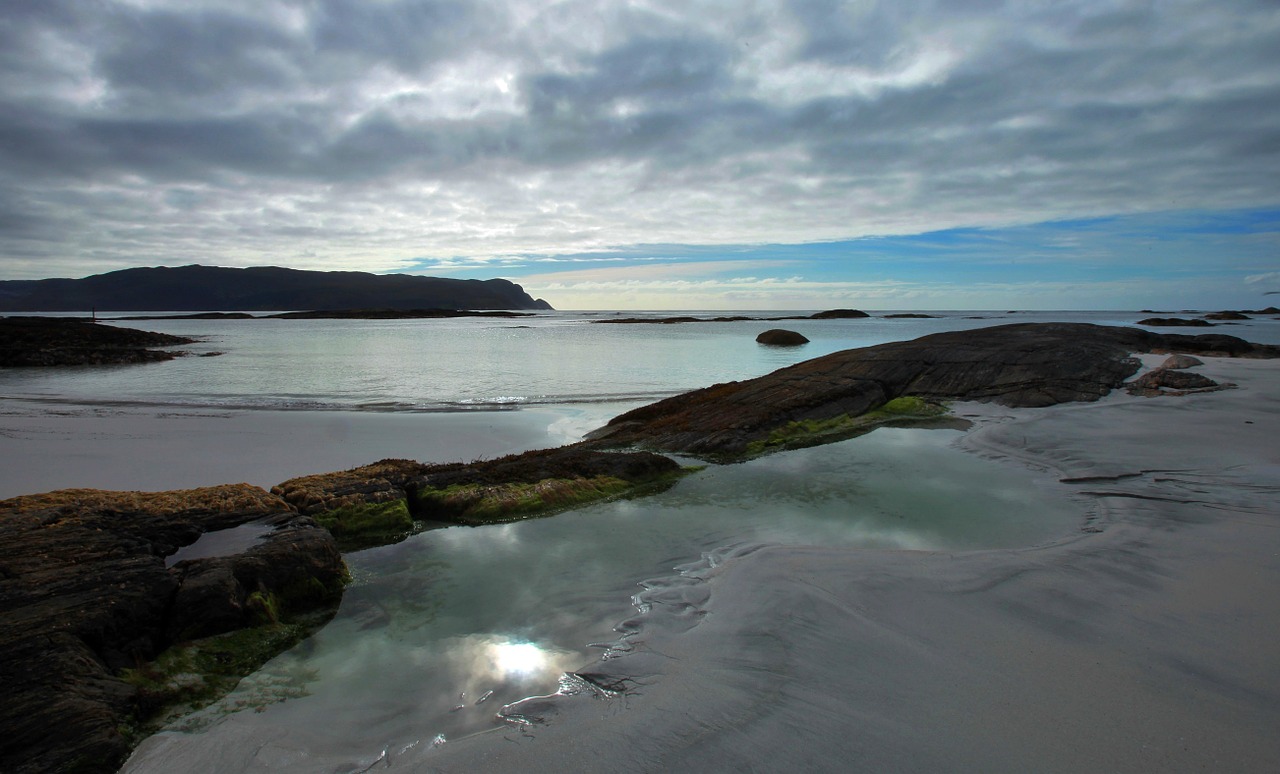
[779, 337]
[86, 596]
[1028, 364]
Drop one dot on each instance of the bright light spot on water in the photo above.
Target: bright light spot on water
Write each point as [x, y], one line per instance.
[519, 659]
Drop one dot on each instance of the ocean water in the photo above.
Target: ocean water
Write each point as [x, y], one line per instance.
[437, 633]
[551, 359]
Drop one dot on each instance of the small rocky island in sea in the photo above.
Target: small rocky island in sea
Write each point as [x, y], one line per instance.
[113, 620]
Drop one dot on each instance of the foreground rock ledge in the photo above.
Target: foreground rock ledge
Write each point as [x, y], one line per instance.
[380, 503]
[1026, 364]
[85, 595]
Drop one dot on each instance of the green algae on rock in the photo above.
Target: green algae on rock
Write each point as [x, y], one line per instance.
[907, 411]
[387, 500]
[88, 595]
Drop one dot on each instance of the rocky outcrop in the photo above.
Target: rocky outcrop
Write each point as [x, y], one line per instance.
[779, 337]
[839, 314]
[1227, 316]
[1025, 364]
[85, 594]
[1175, 322]
[1166, 381]
[59, 341]
[383, 501]
[1181, 361]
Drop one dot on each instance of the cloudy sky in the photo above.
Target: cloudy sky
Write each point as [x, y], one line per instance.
[668, 154]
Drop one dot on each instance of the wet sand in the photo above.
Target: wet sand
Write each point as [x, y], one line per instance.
[1143, 642]
[58, 446]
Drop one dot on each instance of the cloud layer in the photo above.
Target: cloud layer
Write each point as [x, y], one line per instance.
[391, 134]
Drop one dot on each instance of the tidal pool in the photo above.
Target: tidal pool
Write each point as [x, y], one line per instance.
[438, 632]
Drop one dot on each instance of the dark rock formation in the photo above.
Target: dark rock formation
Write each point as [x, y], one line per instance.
[1164, 381]
[1018, 365]
[58, 341]
[778, 337]
[390, 314]
[262, 288]
[1181, 361]
[85, 593]
[839, 314]
[1174, 322]
[374, 502]
[1227, 316]
[834, 314]
[910, 316]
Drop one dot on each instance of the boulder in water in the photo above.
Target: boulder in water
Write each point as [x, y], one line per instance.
[779, 337]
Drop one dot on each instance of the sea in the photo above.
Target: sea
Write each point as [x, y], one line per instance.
[436, 634]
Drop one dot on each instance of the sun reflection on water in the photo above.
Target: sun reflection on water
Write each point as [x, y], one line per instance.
[518, 659]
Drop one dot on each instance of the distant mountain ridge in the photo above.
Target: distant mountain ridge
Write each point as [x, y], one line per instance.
[257, 289]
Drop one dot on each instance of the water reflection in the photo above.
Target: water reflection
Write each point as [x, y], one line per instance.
[439, 632]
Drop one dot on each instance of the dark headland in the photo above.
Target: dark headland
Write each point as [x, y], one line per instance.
[91, 594]
[258, 289]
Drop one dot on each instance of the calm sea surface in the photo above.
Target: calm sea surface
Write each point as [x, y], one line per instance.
[555, 358]
[438, 632]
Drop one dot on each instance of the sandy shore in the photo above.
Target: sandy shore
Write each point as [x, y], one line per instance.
[1144, 642]
[54, 446]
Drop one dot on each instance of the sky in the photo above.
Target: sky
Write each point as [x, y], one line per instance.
[659, 154]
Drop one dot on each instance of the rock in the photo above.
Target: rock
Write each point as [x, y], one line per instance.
[778, 337]
[910, 316]
[59, 341]
[1181, 361]
[1028, 364]
[1227, 316]
[839, 314]
[1174, 322]
[1164, 381]
[381, 502]
[85, 593]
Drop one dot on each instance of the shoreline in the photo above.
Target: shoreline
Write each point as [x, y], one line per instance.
[124, 448]
[1146, 645]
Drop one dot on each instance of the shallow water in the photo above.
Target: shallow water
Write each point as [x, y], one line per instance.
[438, 632]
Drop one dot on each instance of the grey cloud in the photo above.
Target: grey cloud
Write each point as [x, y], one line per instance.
[1049, 112]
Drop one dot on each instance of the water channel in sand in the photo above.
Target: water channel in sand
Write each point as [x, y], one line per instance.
[438, 632]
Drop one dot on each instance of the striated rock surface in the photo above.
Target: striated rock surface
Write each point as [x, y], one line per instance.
[780, 337]
[85, 593]
[1028, 364]
[59, 341]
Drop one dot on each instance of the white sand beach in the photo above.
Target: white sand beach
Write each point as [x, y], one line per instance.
[1143, 642]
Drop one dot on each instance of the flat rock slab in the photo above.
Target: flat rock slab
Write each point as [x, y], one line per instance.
[1027, 364]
